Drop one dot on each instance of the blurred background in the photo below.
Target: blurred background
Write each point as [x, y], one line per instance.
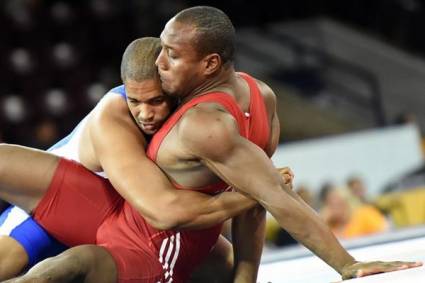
[349, 76]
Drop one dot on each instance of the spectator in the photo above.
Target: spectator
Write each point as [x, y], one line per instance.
[357, 190]
[348, 222]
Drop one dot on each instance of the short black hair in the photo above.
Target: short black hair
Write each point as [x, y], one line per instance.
[138, 60]
[216, 33]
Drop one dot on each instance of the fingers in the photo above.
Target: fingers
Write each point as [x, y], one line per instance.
[286, 170]
[286, 174]
[381, 267]
[287, 179]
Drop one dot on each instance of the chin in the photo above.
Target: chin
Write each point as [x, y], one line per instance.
[147, 132]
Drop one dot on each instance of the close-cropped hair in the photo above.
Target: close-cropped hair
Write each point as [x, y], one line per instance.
[215, 31]
[138, 60]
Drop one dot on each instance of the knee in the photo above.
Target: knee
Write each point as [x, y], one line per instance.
[62, 268]
[83, 259]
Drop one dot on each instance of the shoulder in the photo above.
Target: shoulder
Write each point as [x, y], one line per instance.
[118, 90]
[111, 105]
[205, 118]
[111, 115]
[207, 129]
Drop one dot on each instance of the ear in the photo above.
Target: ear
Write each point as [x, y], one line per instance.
[212, 62]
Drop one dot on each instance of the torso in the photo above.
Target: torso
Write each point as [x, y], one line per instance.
[181, 167]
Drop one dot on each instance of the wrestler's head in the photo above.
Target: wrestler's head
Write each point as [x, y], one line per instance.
[196, 45]
[148, 105]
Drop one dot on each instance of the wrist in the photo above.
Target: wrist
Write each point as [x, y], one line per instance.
[347, 266]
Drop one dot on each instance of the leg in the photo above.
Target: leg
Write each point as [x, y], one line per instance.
[218, 267]
[82, 264]
[25, 175]
[13, 258]
[23, 242]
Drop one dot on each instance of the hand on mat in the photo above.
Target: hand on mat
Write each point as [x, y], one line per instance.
[361, 269]
[287, 175]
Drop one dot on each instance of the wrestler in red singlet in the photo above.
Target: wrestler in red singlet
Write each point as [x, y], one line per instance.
[82, 213]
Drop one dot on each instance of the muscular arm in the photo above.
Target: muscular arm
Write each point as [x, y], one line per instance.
[120, 147]
[247, 168]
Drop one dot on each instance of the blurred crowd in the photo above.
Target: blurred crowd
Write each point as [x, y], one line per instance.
[348, 211]
[59, 57]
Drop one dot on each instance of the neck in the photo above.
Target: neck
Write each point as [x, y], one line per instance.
[224, 77]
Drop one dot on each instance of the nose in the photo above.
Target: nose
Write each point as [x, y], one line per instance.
[146, 113]
[160, 60]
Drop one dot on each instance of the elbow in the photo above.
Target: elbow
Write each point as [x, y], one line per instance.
[157, 216]
[161, 224]
[173, 220]
[162, 221]
[168, 219]
[168, 216]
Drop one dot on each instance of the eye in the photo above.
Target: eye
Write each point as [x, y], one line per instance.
[157, 101]
[171, 54]
[132, 101]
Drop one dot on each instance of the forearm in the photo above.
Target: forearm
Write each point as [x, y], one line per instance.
[165, 207]
[248, 249]
[203, 211]
[306, 227]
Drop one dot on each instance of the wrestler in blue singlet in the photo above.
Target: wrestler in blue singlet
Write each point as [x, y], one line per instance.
[17, 224]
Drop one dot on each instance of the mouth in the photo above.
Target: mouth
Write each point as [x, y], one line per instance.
[148, 126]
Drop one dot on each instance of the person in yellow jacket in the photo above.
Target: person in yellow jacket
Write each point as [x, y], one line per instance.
[349, 222]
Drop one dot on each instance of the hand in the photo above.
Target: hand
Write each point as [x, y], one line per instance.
[287, 175]
[361, 269]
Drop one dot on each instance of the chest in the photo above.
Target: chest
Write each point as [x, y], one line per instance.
[181, 167]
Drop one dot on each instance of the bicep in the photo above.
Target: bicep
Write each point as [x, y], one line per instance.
[247, 168]
[236, 160]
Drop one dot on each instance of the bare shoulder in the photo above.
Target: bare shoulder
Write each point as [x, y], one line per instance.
[207, 130]
[111, 106]
[111, 119]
